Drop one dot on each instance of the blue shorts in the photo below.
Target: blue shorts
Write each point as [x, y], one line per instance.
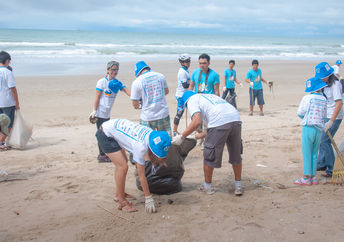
[9, 111]
[107, 144]
[256, 93]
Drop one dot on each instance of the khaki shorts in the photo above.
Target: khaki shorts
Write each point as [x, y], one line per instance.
[229, 134]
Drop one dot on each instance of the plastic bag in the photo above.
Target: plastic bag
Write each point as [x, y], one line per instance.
[167, 180]
[20, 133]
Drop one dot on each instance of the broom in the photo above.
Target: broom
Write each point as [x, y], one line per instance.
[338, 169]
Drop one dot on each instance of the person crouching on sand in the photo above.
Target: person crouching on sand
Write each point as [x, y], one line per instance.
[144, 143]
[312, 110]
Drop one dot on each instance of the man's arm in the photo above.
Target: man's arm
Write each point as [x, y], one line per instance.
[143, 180]
[166, 91]
[192, 86]
[217, 89]
[15, 96]
[195, 123]
[224, 81]
[261, 78]
[337, 109]
[136, 104]
[126, 91]
[96, 101]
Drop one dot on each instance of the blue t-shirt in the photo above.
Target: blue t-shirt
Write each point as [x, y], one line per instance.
[256, 78]
[230, 77]
[213, 78]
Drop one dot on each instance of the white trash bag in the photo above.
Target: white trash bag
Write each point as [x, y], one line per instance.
[20, 133]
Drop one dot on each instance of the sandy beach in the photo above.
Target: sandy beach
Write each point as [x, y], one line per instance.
[59, 200]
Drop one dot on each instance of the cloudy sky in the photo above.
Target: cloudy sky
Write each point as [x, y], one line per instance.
[309, 17]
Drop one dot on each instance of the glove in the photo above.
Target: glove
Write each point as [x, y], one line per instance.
[178, 139]
[149, 204]
[224, 89]
[93, 114]
[241, 85]
[328, 125]
[251, 84]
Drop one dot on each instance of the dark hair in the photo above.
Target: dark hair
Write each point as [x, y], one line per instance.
[4, 56]
[255, 62]
[232, 61]
[204, 56]
[10, 68]
[332, 79]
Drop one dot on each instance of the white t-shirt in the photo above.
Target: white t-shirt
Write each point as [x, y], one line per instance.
[214, 110]
[130, 136]
[6, 83]
[183, 76]
[107, 98]
[150, 87]
[336, 69]
[313, 109]
[333, 94]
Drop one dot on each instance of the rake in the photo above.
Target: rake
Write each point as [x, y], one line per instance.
[338, 169]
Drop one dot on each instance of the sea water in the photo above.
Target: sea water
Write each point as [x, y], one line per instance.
[57, 52]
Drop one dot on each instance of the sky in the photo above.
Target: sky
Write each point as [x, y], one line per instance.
[292, 17]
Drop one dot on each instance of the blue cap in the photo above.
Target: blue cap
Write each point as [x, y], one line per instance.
[314, 84]
[186, 96]
[115, 85]
[323, 70]
[139, 66]
[339, 62]
[159, 143]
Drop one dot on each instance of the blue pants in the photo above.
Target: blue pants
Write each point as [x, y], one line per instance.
[326, 154]
[310, 148]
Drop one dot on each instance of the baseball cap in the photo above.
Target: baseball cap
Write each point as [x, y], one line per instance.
[255, 62]
[339, 62]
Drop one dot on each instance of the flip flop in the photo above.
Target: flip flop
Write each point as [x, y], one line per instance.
[126, 206]
[126, 195]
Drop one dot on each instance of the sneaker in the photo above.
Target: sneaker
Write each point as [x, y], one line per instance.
[303, 181]
[103, 159]
[209, 191]
[238, 191]
[314, 180]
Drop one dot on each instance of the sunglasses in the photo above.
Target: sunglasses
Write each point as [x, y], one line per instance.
[114, 69]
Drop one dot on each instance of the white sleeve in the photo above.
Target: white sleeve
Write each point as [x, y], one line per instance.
[10, 80]
[164, 82]
[193, 106]
[99, 86]
[136, 92]
[337, 91]
[302, 107]
[182, 77]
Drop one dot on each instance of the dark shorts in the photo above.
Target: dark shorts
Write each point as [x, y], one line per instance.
[229, 134]
[9, 111]
[107, 144]
[254, 93]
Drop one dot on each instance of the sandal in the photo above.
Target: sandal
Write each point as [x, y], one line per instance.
[314, 181]
[126, 196]
[303, 181]
[3, 147]
[126, 206]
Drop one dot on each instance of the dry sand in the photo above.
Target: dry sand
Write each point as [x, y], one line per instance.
[58, 201]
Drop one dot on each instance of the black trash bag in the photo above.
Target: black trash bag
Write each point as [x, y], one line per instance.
[231, 99]
[167, 180]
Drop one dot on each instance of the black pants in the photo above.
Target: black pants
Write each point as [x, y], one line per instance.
[230, 90]
[99, 123]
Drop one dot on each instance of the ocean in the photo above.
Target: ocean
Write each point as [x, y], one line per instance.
[57, 52]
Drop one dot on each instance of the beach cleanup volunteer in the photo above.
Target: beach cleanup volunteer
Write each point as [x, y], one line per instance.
[254, 78]
[117, 135]
[151, 88]
[224, 127]
[9, 101]
[106, 92]
[204, 79]
[334, 95]
[336, 68]
[229, 80]
[312, 110]
[183, 83]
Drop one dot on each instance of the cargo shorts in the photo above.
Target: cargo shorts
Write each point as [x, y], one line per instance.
[217, 137]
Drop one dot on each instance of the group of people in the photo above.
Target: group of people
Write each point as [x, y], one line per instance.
[321, 112]
[149, 140]
[212, 118]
